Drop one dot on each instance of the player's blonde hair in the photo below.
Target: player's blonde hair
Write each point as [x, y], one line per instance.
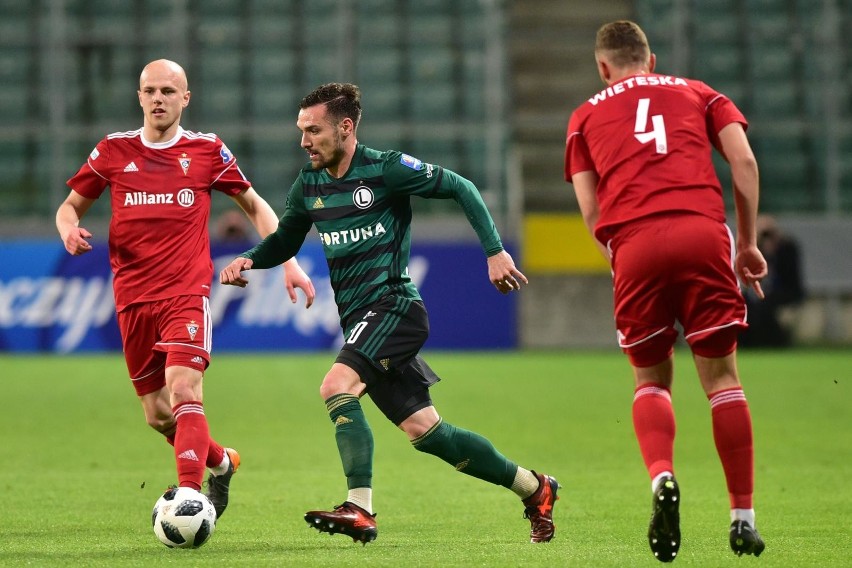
[623, 43]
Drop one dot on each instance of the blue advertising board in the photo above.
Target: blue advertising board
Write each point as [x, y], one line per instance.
[53, 302]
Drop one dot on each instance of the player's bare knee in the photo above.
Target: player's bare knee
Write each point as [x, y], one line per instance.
[165, 426]
[341, 379]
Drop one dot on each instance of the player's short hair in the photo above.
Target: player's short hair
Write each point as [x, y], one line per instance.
[624, 43]
[343, 100]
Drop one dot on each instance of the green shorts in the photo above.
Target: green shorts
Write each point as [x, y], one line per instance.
[382, 345]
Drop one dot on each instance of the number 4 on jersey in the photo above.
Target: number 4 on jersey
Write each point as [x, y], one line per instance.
[658, 134]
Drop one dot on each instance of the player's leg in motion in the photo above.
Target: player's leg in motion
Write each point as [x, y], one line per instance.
[475, 455]
[654, 425]
[732, 432]
[355, 516]
[192, 433]
[222, 462]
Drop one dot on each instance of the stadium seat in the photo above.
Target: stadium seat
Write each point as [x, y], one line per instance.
[714, 61]
[776, 99]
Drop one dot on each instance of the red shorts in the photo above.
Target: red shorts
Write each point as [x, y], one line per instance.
[668, 269]
[164, 333]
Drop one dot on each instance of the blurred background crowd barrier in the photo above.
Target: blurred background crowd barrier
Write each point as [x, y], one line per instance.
[483, 87]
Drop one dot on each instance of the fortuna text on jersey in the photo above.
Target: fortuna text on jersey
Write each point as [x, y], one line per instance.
[352, 235]
[637, 81]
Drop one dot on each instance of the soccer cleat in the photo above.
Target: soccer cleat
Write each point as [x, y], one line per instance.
[745, 539]
[349, 519]
[664, 529]
[218, 485]
[539, 509]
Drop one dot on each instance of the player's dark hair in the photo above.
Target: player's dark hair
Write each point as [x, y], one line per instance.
[343, 100]
[624, 42]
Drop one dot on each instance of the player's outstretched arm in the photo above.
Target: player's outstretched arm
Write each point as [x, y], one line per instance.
[232, 274]
[264, 220]
[503, 274]
[68, 220]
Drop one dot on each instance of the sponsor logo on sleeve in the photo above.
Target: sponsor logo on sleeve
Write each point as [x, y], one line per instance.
[227, 157]
[411, 162]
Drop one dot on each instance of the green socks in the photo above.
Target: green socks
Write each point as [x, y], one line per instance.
[354, 439]
[468, 452]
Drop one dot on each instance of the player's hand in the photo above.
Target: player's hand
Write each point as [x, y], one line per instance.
[295, 277]
[232, 274]
[751, 268]
[503, 274]
[75, 241]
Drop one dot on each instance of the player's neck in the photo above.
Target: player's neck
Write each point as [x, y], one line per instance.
[157, 136]
[340, 169]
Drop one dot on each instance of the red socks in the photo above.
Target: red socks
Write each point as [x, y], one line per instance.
[192, 442]
[215, 452]
[735, 444]
[654, 424]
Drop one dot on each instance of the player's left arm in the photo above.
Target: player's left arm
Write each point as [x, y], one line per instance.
[502, 271]
[265, 222]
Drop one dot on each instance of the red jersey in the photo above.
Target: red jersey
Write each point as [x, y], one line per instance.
[650, 140]
[159, 244]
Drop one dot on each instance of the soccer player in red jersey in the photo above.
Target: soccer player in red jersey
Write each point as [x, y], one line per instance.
[161, 179]
[639, 156]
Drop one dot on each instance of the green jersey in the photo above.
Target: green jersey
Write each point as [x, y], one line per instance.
[364, 223]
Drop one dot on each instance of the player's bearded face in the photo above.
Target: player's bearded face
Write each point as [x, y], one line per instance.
[329, 157]
[321, 139]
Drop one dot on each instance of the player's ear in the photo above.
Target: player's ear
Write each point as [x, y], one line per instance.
[604, 71]
[186, 97]
[652, 63]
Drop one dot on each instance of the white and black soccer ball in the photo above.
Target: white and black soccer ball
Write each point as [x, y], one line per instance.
[183, 518]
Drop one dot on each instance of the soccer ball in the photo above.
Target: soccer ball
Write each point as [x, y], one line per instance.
[183, 518]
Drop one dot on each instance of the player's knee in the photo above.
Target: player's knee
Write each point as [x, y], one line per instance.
[341, 379]
[165, 425]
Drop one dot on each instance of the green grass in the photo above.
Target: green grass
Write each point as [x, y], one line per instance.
[81, 470]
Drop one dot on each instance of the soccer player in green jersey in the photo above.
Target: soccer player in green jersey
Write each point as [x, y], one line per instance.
[359, 200]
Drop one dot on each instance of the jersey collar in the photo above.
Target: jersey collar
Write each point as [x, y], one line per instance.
[161, 145]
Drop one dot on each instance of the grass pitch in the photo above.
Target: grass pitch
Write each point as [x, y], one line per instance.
[81, 470]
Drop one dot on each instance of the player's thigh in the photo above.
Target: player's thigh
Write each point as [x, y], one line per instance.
[137, 324]
[711, 307]
[387, 335]
[644, 314]
[185, 330]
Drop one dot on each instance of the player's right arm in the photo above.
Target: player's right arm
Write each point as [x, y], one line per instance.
[68, 218]
[585, 188]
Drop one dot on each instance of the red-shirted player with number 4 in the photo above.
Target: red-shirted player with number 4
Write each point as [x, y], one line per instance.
[639, 156]
[161, 179]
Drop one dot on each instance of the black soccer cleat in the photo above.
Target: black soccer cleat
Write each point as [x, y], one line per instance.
[218, 486]
[664, 529]
[745, 539]
[348, 519]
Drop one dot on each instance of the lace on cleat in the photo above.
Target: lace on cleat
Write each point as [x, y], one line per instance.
[745, 539]
[218, 486]
[348, 519]
[539, 509]
[664, 529]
